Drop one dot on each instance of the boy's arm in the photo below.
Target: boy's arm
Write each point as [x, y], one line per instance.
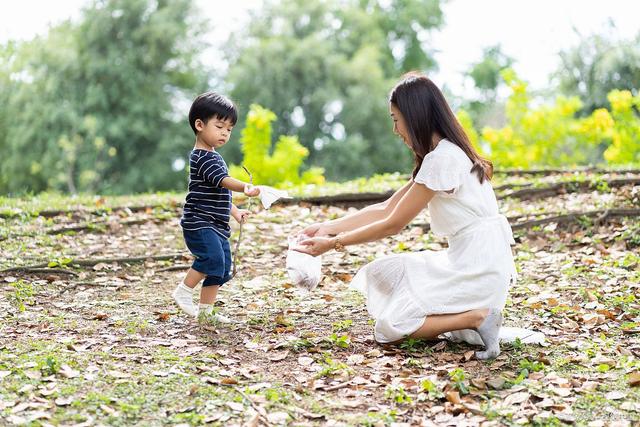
[233, 184]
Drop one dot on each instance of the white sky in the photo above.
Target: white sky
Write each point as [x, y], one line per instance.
[532, 32]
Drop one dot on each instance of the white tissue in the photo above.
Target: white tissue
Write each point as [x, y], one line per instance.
[304, 270]
[268, 195]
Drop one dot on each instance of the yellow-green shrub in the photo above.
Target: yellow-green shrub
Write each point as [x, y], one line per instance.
[283, 165]
[552, 135]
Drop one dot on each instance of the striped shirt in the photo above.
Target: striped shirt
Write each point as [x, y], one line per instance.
[208, 205]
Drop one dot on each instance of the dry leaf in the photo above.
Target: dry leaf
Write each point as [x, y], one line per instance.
[453, 397]
[634, 379]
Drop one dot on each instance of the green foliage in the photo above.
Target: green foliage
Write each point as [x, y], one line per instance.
[486, 78]
[553, 135]
[433, 392]
[458, 377]
[332, 367]
[325, 68]
[341, 341]
[280, 167]
[342, 325]
[599, 64]
[22, 295]
[397, 394]
[90, 106]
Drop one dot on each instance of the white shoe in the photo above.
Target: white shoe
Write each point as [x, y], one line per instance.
[211, 317]
[183, 296]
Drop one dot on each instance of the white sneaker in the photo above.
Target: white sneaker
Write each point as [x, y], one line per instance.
[183, 296]
[209, 315]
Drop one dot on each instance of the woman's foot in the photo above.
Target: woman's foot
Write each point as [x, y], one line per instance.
[489, 331]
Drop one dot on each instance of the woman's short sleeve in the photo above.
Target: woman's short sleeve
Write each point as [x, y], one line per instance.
[440, 172]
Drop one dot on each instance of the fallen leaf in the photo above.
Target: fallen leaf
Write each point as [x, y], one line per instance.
[68, 372]
[453, 397]
[235, 406]
[615, 395]
[305, 360]
[516, 398]
[277, 357]
[634, 379]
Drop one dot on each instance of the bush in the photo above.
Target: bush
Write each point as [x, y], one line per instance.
[282, 167]
[553, 135]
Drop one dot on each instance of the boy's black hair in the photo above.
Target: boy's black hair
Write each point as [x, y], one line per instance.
[209, 105]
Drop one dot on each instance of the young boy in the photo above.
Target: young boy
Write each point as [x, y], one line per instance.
[208, 207]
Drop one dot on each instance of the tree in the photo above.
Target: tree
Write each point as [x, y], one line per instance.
[598, 65]
[486, 78]
[325, 69]
[92, 105]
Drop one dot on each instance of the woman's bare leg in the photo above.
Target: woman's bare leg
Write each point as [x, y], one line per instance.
[486, 322]
[438, 324]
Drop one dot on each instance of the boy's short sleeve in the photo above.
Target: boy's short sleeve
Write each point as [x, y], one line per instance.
[212, 169]
[440, 172]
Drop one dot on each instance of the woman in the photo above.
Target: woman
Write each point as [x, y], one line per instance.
[424, 294]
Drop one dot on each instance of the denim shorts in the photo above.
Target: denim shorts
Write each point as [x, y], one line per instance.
[212, 253]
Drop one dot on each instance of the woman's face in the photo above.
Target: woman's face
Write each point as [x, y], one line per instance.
[399, 125]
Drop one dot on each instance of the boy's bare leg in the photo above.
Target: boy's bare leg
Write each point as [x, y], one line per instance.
[193, 277]
[207, 313]
[208, 294]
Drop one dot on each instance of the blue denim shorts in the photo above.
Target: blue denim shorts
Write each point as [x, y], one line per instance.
[212, 253]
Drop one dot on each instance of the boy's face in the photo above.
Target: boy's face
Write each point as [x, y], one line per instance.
[215, 133]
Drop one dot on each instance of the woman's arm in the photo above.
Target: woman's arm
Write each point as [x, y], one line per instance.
[410, 205]
[367, 215]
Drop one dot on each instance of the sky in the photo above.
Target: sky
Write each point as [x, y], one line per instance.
[531, 32]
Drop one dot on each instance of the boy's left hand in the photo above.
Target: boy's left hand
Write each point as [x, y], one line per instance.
[241, 215]
[251, 190]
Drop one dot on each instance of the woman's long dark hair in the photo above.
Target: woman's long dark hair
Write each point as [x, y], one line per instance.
[425, 111]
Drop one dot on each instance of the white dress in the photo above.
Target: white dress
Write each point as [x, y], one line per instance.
[474, 272]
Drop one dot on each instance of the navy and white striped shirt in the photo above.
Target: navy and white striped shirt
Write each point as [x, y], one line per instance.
[208, 205]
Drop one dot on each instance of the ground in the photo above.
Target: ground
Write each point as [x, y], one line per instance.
[102, 343]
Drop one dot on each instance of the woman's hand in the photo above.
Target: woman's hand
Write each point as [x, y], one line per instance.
[251, 190]
[315, 246]
[240, 215]
[315, 230]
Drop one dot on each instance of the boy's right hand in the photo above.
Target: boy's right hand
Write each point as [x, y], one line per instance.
[251, 190]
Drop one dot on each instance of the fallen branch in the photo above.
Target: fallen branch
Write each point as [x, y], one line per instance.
[94, 225]
[600, 215]
[339, 199]
[92, 262]
[566, 187]
[519, 172]
[58, 212]
[47, 271]
[259, 410]
[178, 267]
[528, 193]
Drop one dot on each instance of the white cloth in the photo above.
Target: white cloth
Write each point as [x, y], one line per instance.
[474, 272]
[268, 195]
